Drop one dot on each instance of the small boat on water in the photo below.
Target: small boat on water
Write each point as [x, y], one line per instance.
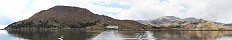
[61, 37]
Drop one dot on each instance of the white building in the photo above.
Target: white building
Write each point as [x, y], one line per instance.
[112, 27]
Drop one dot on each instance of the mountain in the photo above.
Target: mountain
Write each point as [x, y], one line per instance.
[167, 19]
[191, 19]
[228, 24]
[145, 22]
[172, 22]
[67, 17]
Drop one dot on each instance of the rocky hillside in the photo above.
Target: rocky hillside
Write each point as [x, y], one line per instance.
[172, 22]
[66, 17]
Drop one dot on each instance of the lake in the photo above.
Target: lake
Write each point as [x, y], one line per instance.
[112, 35]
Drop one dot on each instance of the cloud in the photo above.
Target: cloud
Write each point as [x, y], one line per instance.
[148, 9]
[213, 10]
[128, 9]
[113, 5]
[5, 20]
[12, 8]
[2, 26]
[15, 10]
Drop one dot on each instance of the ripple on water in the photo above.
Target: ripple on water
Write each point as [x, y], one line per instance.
[116, 35]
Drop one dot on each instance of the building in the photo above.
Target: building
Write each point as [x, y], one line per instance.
[112, 27]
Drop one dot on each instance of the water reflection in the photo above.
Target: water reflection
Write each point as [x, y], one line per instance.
[125, 35]
[224, 38]
[109, 35]
[5, 36]
[114, 35]
[190, 35]
[52, 34]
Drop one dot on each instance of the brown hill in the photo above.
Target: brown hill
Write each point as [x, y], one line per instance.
[66, 17]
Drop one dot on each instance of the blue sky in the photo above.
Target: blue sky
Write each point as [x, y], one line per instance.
[213, 10]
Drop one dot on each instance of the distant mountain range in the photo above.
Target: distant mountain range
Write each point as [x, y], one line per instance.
[67, 17]
[172, 22]
[228, 24]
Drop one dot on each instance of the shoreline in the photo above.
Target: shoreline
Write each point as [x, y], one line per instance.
[119, 30]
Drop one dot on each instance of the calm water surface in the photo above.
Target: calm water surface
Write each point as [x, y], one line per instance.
[113, 35]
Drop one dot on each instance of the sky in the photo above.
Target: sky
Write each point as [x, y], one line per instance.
[212, 10]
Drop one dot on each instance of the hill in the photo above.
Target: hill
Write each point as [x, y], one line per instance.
[172, 22]
[67, 17]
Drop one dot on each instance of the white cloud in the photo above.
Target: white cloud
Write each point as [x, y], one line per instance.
[37, 6]
[2, 26]
[213, 10]
[12, 8]
[139, 9]
[147, 9]
[15, 10]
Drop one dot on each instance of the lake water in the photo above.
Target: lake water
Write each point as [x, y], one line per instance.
[113, 35]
